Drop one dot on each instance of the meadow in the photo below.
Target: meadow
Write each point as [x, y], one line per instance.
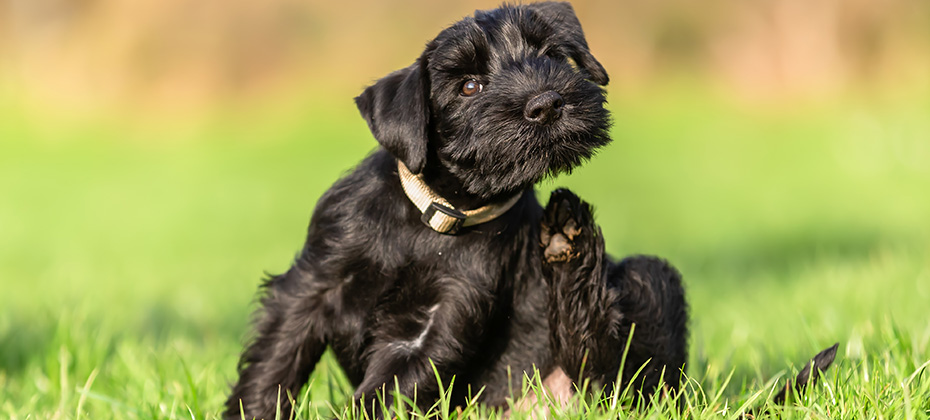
[130, 251]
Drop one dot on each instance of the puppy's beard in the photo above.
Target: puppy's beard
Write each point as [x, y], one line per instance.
[513, 157]
[512, 171]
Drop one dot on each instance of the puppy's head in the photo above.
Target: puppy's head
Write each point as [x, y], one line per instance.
[498, 100]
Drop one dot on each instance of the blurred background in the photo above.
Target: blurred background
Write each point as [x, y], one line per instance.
[157, 156]
[180, 57]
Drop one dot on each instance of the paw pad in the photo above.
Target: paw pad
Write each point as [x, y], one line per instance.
[559, 249]
[562, 225]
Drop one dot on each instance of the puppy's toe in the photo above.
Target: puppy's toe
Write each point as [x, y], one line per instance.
[571, 229]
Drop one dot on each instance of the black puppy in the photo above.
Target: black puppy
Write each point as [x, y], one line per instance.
[435, 249]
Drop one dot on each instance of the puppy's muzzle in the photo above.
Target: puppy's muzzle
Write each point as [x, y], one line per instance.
[544, 108]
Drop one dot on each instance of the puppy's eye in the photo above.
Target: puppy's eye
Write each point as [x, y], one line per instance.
[471, 87]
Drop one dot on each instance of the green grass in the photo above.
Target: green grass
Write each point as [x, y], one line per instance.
[130, 253]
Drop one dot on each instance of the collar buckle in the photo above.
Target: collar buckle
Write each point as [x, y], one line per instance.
[443, 219]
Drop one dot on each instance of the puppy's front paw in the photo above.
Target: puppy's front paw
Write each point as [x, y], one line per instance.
[567, 226]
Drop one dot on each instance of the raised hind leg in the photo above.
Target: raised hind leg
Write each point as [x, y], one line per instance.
[594, 304]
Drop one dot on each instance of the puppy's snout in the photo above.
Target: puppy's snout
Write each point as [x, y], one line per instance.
[544, 108]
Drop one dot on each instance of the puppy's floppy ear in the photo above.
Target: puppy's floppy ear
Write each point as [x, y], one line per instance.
[397, 110]
[568, 29]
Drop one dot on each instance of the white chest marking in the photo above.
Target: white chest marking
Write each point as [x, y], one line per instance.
[417, 342]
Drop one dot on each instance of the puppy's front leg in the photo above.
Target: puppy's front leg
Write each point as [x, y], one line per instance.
[409, 340]
[289, 342]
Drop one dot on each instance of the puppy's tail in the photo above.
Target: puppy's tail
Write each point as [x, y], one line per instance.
[807, 377]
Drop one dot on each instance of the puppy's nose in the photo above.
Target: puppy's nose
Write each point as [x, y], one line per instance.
[544, 108]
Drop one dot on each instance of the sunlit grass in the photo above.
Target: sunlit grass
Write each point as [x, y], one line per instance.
[128, 264]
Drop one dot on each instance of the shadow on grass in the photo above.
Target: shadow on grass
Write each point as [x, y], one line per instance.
[786, 253]
[38, 335]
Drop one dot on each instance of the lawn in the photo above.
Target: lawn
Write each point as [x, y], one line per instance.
[130, 252]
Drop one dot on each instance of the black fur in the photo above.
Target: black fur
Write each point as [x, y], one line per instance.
[390, 296]
[808, 376]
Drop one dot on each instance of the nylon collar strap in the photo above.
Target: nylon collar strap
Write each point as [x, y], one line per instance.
[438, 213]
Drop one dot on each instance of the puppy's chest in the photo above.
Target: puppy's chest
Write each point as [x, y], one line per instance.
[450, 272]
[409, 304]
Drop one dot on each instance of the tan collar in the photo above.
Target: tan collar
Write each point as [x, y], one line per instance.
[438, 213]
